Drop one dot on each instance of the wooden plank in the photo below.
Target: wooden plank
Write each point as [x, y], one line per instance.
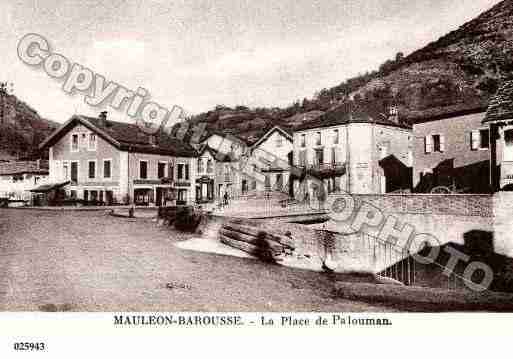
[257, 241]
[256, 232]
[264, 254]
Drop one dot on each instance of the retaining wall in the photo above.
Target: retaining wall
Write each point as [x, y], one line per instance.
[433, 204]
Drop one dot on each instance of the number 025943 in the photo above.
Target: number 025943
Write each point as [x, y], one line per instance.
[26, 346]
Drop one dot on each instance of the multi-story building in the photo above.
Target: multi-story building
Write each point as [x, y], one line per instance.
[17, 178]
[205, 174]
[115, 162]
[244, 168]
[499, 119]
[451, 152]
[227, 153]
[353, 149]
[271, 158]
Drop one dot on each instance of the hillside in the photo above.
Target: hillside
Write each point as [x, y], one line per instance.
[21, 129]
[459, 71]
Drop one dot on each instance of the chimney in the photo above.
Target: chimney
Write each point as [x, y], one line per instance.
[103, 118]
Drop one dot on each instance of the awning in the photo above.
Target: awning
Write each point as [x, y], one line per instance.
[49, 187]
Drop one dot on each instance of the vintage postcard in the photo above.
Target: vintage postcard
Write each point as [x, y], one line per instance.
[269, 165]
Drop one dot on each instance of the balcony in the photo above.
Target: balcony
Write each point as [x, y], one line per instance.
[325, 170]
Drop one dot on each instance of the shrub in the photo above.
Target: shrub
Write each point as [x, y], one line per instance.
[187, 220]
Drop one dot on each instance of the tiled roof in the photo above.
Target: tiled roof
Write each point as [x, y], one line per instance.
[127, 136]
[351, 113]
[501, 105]
[20, 167]
[440, 113]
[285, 131]
[218, 156]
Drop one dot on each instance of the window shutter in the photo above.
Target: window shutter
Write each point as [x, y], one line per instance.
[442, 143]
[428, 144]
[474, 140]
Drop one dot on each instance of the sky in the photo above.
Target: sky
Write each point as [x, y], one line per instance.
[198, 54]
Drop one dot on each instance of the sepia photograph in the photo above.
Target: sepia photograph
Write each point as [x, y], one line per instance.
[227, 157]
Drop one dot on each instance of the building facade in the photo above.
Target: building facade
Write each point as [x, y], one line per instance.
[451, 153]
[499, 121]
[17, 178]
[271, 159]
[249, 169]
[113, 162]
[354, 150]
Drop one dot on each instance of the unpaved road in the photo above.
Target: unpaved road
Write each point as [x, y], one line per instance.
[88, 261]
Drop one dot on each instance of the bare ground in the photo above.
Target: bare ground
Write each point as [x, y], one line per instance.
[88, 261]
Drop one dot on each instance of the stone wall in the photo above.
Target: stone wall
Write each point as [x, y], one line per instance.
[432, 204]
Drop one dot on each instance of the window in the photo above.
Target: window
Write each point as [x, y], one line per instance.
[106, 169]
[74, 142]
[279, 181]
[182, 194]
[92, 142]
[484, 136]
[302, 158]
[210, 166]
[183, 171]
[267, 182]
[303, 140]
[74, 172]
[200, 165]
[91, 172]
[508, 137]
[279, 141]
[480, 139]
[319, 157]
[336, 138]
[434, 143]
[161, 170]
[318, 141]
[143, 169]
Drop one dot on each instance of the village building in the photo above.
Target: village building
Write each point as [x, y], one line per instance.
[17, 178]
[271, 156]
[499, 120]
[353, 149]
[114, 162]
[227, 153]
[245, 167]
[451, 151]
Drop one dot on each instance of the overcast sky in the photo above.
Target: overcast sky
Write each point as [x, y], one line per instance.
[197, 54]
